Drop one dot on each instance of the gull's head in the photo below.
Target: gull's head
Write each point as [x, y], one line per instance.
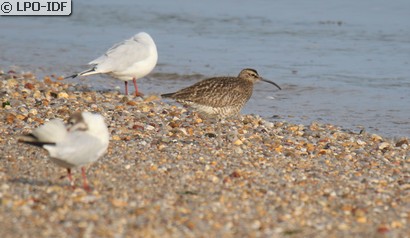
[150, 57]
[144, 37]
[253, 76]
[76, 122]
[89, 122]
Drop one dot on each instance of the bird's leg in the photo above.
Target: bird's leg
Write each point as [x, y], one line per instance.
[85, 184]
[70, 178]
[135, 85]
[126, 87]
[137, 94]
[219, 132]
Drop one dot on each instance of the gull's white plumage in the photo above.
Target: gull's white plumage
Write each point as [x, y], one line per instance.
[131, 59]
[53, 131]
[79, 147]
[83, 142]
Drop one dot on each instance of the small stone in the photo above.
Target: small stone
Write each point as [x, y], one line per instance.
[402, 141]
[47, 80]
[21, 117]
[384, 145]
[214, 179]
[238, 150]
[149, 127]
[29, 86]
[62, 95]
[343, 226]
[119, 203]
[151, 98]
[310, 147]
[360, 142]
[396, 224]
[376, 137]
[37, 94]
[256, 225]
[235, 174]
[382, 229]
[33, 111]
[132, 103]
[361, 219]
[238, 142]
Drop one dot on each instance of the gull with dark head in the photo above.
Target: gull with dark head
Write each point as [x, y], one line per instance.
[84, 140]
[219, 97]
[129, 60]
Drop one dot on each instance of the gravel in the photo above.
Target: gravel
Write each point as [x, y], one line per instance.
[170, 173]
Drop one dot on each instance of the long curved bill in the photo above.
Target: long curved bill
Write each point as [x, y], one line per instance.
[265, 80]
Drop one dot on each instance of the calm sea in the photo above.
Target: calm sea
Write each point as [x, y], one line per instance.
[340, 62]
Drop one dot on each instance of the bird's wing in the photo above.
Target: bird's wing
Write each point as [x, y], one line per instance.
[78, 148]
[51, 132]
[221, 93]
[121, 56]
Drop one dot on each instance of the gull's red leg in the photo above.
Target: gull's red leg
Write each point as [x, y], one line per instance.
[85, 184]
[70, 178]
[137, 94]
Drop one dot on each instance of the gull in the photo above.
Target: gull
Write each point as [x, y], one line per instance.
[82, 141]
[131, 59]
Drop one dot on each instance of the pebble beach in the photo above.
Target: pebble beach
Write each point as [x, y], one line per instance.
[170, 173]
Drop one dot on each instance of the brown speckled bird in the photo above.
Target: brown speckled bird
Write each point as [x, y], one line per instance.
[219, 97]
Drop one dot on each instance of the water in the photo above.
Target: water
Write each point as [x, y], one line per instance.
[340, 62]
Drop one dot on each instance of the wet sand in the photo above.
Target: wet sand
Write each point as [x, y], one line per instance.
[169, 173]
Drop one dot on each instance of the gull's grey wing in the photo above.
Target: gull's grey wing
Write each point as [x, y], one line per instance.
[121, 56]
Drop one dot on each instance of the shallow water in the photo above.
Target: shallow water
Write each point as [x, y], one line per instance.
[345, 63]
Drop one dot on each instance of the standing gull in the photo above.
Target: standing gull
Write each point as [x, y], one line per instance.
[220, 96]
[129, 60]
[83, 141]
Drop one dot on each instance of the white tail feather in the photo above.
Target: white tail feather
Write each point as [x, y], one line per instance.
[52, 131]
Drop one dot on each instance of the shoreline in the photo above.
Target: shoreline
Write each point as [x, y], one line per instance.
[392, 126]
[170, 173]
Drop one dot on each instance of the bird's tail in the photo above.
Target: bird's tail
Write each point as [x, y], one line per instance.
[84, 73]
[49, 133]
[33, 140]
